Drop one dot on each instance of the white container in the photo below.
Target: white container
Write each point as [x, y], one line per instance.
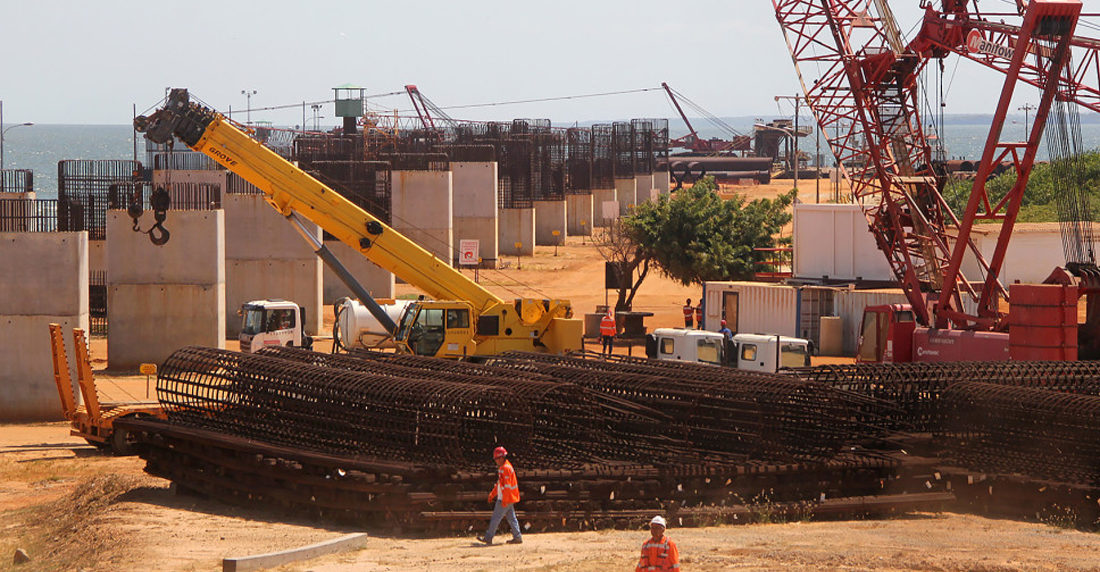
[834, 241]
[761, 308]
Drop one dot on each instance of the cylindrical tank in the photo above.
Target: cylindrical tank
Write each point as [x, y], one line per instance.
[832, 336]
[358, 328]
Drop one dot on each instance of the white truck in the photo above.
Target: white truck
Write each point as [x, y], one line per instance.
[272, 323]
[750, 352]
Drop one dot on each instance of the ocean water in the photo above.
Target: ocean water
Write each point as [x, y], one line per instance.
[40, 147]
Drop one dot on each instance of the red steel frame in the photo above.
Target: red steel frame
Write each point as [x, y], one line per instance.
[865, 101]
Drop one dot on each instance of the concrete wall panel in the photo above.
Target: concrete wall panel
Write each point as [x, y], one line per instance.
[645, 188]
[662, 182]
[475, 207]
[517, 226]
[550, 217]
[199, 177]
[45, 280]
[600, 198]
[626, 191]
[486, 231]
[197, 240]
[150, 321]
[422, 209]
[27, 388]
[578, 214]
[379, 282]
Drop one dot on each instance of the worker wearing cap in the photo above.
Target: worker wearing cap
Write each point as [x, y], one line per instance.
[689, 311]
[659, 552]
[607, 332]
[725, 331]
[506, 494]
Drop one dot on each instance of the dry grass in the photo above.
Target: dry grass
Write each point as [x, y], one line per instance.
[70, 533]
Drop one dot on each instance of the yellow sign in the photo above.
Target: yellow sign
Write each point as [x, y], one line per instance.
[555, 232]
[519, 245]
[148, 368]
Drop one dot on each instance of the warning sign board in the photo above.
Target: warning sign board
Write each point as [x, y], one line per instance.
[468, 254]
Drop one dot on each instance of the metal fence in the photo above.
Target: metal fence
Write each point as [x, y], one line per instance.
[29, 215]
[368, 184]
[578, 161]
[603, 158]
[16, 181]
[97, 302]
[622, 149]
[87, 188]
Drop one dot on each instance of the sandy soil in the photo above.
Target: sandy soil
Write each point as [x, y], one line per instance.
[72, 507]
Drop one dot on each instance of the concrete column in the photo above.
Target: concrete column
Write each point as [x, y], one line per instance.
[379, 283]
[517, 226]
[662, 181]
[578, 214]
[644, 185]
[266, 258]
[605, 205]
[421, 208]
[627, 193]
[550, 217]
[45, 279]
[475, 208]
[161, 298]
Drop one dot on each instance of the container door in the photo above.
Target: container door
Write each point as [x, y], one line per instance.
[729, 310]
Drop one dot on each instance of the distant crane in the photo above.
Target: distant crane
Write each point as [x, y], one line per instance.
[425, 110]
[692, 141]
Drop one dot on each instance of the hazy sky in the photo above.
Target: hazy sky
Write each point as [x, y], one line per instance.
[87, 62]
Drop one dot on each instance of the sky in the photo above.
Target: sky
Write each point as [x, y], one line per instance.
[81, 62]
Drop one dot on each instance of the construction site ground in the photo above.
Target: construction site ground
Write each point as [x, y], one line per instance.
[72, 507]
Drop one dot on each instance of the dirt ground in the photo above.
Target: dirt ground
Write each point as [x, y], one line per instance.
[72, 507]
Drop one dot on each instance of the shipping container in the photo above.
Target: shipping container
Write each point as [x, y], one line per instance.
[751, 307]
[833, 242]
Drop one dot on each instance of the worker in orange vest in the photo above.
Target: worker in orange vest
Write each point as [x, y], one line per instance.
[506, 494]
[699, 316]
[659, 552]
[607, 332]
[689, 311]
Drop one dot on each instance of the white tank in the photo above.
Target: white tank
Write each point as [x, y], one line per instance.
[358, 328]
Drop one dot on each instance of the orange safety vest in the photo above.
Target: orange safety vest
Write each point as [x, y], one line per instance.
[688, 311]
[659, 556]
[699, 314]
[507, 486]
[607, 326]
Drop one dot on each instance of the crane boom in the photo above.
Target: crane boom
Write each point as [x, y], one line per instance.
[290, 190]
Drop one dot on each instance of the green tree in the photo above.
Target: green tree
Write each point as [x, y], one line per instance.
[696, 236]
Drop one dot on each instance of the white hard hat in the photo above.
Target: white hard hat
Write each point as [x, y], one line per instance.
[658, 520]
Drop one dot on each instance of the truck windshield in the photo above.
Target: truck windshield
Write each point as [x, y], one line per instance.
[710, 351]
[407, 320]
[794, 355]
[253, 321]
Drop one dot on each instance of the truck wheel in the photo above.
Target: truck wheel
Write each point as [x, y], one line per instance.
[121, 443]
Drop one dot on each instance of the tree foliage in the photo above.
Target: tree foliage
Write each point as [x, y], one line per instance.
[696, 236]
[630, 261]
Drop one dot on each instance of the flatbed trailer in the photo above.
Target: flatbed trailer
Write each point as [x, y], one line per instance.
[93, 420]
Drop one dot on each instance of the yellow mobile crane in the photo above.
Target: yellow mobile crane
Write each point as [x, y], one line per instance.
[461, 319]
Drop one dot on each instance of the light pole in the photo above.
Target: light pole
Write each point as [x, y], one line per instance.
[4, 132]
[798, 99]
[316, 107]
[248, 110]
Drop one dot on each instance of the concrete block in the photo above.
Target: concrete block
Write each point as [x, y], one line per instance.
[378, 282]
[27, 388]
[195, 253]
[199, 177]
[150, 321]
[298, 281]
[422, 209]
[45, 273]
[474, 186]
[97, 255]
[517, 226]
[662, 181]
[600, 199]
[578, 215]
[626, 191]
[486, 231]
[550, 217]
[644, 188]
[254, 230]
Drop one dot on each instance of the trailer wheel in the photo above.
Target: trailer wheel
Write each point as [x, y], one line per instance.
[121, 443]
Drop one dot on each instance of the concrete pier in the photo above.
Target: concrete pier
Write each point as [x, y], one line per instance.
[626, 190]
[45, 280]
[603, 213]
[645, 189]
[266, 258]
[379, 283]
[579, 214]
[421, 208]
[475, 207]
[517, 226]
[550, 217]
[662, 181]
[161, 298]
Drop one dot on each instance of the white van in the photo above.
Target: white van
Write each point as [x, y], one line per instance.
[750, 352]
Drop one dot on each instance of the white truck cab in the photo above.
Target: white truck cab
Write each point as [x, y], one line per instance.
[750, 352]
[272, 323]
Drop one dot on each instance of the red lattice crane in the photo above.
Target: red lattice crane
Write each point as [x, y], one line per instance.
[860, 80]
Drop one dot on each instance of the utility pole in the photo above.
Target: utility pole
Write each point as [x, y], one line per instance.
[1026, 108]
[248, 109]
[797, 99]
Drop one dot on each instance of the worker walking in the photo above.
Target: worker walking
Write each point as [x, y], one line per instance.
[506, 494]
[659, 552]
[689, 311]
[725, 331]
[607, 332]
